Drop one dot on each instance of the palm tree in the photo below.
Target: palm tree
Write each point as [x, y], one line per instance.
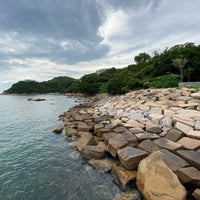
[180, 63]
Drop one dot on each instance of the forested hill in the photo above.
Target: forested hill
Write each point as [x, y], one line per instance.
[162, 70]
[58, 84]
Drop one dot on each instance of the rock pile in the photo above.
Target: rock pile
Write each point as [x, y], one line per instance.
[132, 127]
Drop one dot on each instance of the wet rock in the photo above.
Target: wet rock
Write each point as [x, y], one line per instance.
[156, 180]
[86, 139]
[130, 157]
[96, 152]
[193, 157]
[189, 175]
[104, 165]
[130, 195]
[58, 129]
[116, 142]
[71, 132]
[74, 155]
[39, 99]
[122, 176]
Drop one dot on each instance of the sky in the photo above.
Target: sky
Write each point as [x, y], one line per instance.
[42, 39]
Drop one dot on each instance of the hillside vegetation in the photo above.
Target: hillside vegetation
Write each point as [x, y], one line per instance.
[162, 70]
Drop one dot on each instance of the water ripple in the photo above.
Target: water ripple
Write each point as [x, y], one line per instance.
[36, 164]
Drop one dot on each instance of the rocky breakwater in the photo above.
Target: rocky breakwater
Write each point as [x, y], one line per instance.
[148, 136]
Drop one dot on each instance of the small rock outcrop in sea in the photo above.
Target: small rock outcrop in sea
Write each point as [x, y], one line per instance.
[58, 129]
[130, 128]
[38, 99]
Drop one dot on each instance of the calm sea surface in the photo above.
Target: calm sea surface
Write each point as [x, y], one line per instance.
[36, 164]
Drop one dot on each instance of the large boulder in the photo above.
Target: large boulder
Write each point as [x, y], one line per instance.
[157, 181]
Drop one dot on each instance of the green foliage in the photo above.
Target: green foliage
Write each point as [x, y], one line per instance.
[58, 84]
[159, 71]
[166, 81]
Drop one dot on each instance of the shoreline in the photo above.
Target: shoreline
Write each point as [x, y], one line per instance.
[130, 129]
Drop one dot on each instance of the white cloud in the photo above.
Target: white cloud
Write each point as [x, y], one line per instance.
[77, 44]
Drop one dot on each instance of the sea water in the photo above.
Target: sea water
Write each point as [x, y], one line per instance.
[35, 163]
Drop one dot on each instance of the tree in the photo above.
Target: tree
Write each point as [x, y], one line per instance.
[142, 58]
[180, 63]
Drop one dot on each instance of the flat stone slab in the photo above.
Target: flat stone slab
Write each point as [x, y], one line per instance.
[83, 127]
[153, 128]
[189, 175]
[130, 138]
[188, 143]
[194, 134]
[120, 129]
[193, 157]
[184, 119]
[174, 135]
[107, 136]
[116, 142]
[173, 161]
[98, 126]
[183, 128]
[130, 157]
[95, 152]
[102, 131]
[167, 144]
[145, 136]
[134, 124]
[149, 146]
